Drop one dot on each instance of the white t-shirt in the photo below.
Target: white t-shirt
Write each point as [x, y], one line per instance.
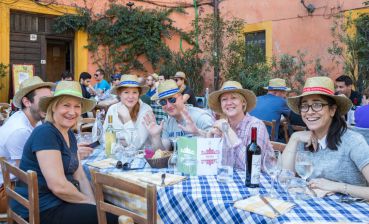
[14, 134]
[141, 133]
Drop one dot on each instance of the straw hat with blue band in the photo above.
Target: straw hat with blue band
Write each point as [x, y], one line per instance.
[277, 84]
[320, 85]
[67, 88]
[27, 86]
[231, 87]
[129, 81]
[167, 89]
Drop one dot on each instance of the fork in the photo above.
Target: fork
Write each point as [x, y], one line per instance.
[163, 180]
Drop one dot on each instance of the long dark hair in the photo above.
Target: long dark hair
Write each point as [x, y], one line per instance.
[337, 128]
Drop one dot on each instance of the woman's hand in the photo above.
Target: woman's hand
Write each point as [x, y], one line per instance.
[123, 114]
[305, 137]
[324, 184]
[84, 150]
[217, 129]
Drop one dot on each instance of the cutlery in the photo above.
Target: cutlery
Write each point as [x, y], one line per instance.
[163, 180]
[269, 205]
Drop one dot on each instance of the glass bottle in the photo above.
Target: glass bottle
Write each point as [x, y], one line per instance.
[253, 161]
[110, 137]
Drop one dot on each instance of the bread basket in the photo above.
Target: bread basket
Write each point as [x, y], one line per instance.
[161, 162]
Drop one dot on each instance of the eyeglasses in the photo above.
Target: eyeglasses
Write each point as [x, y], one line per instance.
[171, 100]
[316, 107]
[176, 80]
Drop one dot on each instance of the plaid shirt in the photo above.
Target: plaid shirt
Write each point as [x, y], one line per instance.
[243, 131]
[158, 112]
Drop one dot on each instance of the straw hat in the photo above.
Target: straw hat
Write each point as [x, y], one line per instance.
[167, 89]
[27, 86]
[180, 75]
[129, 81]
[322, 86]
[67, 88]
[231, 87]
[277, 84]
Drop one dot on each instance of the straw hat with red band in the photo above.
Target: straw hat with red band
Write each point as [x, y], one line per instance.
[231, 87]
[67, 88]
[322, 86]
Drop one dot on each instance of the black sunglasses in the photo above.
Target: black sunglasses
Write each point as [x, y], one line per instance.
[127, 166]
[171, 100]
[176, 80]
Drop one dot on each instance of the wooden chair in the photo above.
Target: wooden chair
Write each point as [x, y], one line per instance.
[5, 109]
[148, 192]
[286, 126]
[272, 125]
[32, 203]
[278, 146]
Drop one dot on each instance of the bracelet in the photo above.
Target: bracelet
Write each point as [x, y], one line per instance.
[345, 189]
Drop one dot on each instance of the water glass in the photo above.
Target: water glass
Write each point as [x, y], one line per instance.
[224, 173]
[303, 166]
[272, 168]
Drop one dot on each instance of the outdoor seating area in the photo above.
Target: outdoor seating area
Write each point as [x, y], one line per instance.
[193, 111]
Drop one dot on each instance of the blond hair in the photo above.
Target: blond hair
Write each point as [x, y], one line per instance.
[239, 96]
[52, 106]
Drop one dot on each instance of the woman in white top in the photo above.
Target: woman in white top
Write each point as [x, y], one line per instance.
[128, 114]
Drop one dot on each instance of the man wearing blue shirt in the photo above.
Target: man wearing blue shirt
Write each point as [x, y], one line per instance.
[101, 84]
[272, 105]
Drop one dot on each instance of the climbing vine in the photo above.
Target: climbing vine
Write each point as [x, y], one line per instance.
[121, 37]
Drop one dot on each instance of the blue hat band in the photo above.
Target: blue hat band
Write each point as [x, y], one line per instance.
[168, 92]
[229, 88]
[277, 88]
[129, 83]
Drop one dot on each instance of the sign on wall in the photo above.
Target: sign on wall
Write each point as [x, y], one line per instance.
[20, 73]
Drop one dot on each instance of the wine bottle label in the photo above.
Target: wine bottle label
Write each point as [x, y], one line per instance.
[255, 169]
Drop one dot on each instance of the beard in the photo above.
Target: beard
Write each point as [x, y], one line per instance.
[36, 114]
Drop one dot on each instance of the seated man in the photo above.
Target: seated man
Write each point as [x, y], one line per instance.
[344, 86]
[101, 84]
[272, 105]
[15, 132]
[85, 81]
[181, 121]
[188, 95]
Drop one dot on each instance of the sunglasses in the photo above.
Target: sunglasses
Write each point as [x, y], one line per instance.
[171, 100]
[176, 80]
[96, 75]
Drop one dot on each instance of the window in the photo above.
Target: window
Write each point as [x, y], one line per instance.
[255, 47]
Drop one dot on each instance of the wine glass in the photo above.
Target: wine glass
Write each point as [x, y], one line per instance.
[303, 165]
[132, 140]
[172, 162]
[272, 168]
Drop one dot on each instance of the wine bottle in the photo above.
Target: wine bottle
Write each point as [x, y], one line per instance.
[253, 161]
[110, 137]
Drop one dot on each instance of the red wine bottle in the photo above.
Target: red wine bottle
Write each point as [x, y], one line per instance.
[253, 161]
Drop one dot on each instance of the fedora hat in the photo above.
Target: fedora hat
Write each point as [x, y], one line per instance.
[277, 84]
[322, 86]
[167, 89]
[28, 86]
[129, 81]
[180, 74]
[67, 88]
[231, 87]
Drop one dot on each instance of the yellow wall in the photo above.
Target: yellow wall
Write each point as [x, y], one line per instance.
[80, 40]
[267, 26]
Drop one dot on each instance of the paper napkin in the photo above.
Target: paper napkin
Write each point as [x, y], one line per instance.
[256, 205]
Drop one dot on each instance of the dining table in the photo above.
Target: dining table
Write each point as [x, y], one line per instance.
[203, 199]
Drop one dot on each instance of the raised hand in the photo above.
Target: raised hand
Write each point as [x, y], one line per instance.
[150, 123]
[190, 126]
[123, 114]
[306, 137]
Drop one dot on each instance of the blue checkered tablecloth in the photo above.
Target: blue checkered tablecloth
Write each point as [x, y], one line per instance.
[202, 199]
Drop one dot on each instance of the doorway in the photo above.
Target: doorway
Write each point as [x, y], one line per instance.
[58, 58]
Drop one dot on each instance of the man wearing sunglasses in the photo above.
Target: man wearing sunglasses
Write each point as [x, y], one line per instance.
[188, 95]
[182, 120]
[101, 84]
